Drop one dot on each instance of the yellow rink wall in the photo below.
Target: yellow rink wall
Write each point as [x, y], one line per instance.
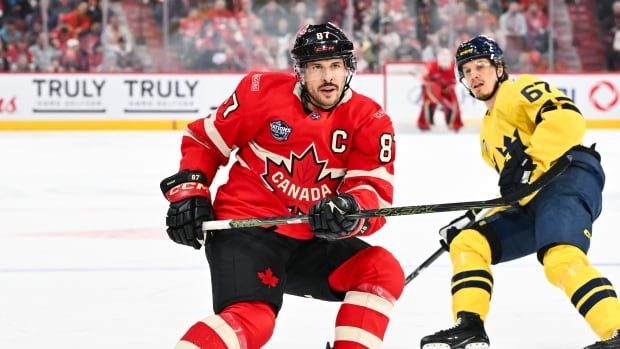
[93, 125]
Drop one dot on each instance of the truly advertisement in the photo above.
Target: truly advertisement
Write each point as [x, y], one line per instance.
[67, 95]
[112, 96]
[189, 96]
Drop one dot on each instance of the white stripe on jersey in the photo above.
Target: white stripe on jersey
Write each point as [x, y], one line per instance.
[188, 133]
[380, 173]
[382, 203]
[370, 301]
[185, 345]
[357, 335]
[223, 329]
[215, 136]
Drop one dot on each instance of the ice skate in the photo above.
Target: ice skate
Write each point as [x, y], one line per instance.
[611, 343]
[467, 333]
[423, 124]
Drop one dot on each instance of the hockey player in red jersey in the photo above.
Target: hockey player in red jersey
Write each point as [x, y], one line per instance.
[306, 144]
[438, 89]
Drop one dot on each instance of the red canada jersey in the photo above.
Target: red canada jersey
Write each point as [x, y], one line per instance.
[288, 159]
[434, 73]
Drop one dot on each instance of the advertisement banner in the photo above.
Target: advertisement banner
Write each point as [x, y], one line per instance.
[112, 96]
[168, 97]
[596, 95]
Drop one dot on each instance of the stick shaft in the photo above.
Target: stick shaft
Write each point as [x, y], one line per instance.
[560, 166]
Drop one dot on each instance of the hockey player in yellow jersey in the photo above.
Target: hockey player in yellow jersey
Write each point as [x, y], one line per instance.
[529, 124]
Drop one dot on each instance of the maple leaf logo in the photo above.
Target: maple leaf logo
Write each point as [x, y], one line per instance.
[301, 178]
[268, 278]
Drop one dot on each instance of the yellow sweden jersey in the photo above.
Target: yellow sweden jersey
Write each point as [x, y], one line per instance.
[547, 122]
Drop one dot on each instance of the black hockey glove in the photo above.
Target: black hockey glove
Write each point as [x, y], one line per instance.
[450, 231]
[190, 205]
[328, 219]
[517, 169]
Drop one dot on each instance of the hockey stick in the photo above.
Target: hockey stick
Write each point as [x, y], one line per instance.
[557, 169]
[480, 215]
[425, 264]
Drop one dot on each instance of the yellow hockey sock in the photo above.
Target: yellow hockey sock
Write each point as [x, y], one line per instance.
[472, 282]
[567, 267]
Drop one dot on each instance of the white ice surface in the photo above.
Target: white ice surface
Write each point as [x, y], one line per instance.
[85, 261]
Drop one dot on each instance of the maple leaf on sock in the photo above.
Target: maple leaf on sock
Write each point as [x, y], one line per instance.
[268, 278]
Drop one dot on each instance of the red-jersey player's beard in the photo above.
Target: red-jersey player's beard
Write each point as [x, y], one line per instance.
[315, 97]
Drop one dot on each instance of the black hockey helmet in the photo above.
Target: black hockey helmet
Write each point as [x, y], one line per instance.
[316, 42]
[480, 47]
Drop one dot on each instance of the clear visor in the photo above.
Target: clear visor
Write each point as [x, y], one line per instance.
[474, 67]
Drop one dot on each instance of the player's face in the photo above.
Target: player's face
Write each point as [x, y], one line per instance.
[325, 81]
[480, 75]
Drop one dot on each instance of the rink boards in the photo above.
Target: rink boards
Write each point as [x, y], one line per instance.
[168, 101]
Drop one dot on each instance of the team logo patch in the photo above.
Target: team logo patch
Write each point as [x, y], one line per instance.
[315, 116]
[268, 278]
[280, 130]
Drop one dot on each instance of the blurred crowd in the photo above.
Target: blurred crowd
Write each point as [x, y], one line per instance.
[70, 36]
[242, 35]
[226, 36]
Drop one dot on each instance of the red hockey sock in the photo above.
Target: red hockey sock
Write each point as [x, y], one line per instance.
[373, 280]
[246, 325]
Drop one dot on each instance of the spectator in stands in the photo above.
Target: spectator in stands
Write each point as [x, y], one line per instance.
[299, 15]
[114, 31]
[4, 62]
[89, 38]
[512, 23]
[334, 11]
[73, 59]
[410, 50]
[429, 51]
[270, 14]
[19, 56]
[63, 33]
[94, 11]
[513, 27]
[62, 7]
[427, 18]
[20, 10]
[613, 39]
[390, 40]
[284, 41]
[537, 33]
[42, 56]
[9, 33]
[125, 56]
[219, 10]
[77, 20]
[523, 65]
[369, 47]
[95, 59]
[473, 26]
